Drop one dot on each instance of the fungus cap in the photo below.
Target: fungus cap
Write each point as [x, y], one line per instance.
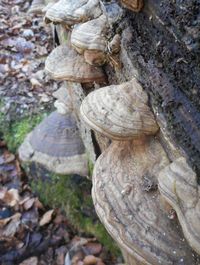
[64, 63]
[119, 112]
[70, 12]
[90, 35]
[56, 144]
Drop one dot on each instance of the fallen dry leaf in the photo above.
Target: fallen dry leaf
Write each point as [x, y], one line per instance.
[4, 221]
[10, 197]
[80, 262]
[90, 260]
[46, 218]
[30, 217]
[35, 82]
[44, 98]
[30, 261]
[100, 262]
[60, 255]
[11, 229]
[41, 50]
[38, 204]
[7, 158]
[28, 204]
[93, 248]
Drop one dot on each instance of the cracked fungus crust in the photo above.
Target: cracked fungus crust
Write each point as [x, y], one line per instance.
[132, 214]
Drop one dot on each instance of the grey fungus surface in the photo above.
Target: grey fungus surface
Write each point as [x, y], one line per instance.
[56, 144]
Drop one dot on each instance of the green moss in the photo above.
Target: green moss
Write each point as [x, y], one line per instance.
[90, 167]
[15, 130]
[72, 195]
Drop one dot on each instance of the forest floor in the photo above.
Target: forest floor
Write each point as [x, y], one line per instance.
[31, 233]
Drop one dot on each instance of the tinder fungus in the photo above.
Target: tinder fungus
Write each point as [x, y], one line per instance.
[119, 112]
[128, 203]
[64, 63]
[134, 5]
[125, 191]
[91, 36]
[56, 144]
[70, 12]
[178, 185]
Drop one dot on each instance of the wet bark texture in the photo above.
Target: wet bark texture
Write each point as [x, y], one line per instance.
[163, 45]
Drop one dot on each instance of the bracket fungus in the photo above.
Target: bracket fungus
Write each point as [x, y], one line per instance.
[91, 39]
[91, 36]
[131, 209]
[178, 185]
[64, 63]
[119, 112]
[70, 12]
[134, 5]
[125, 190]
[56, 144]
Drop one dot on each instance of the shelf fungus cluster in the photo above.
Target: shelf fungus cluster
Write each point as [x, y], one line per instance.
[92, 34]
[135, 185]
[125, 177]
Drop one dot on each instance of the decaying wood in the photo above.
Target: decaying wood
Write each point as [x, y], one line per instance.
[165, 59]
